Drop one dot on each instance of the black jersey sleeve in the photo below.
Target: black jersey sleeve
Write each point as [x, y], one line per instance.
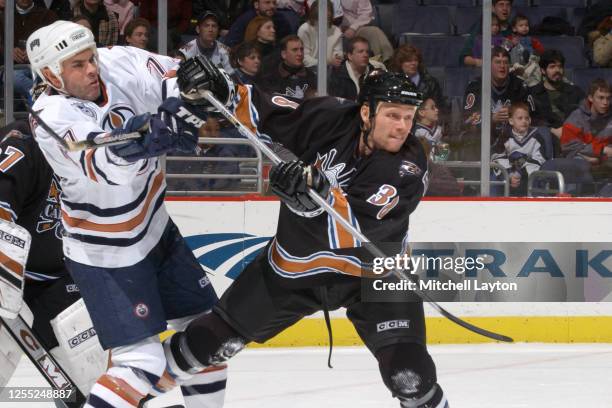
[297, 126]
[17, 170]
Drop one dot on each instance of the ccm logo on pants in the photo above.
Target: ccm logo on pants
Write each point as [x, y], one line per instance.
[393, 324]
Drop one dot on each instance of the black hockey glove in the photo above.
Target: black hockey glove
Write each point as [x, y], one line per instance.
[290, 181]
[198, 74]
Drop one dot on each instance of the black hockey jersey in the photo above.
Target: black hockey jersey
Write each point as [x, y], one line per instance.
[376, 193]
[29, 196]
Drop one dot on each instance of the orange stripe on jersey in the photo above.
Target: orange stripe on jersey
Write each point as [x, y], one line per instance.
[121, 388]
[322, 261]
[243, 110]
[5, 215]
[214, 368]
[166, 382]
[121, 226]
[170, 74]
[341, 205]
[11, 264]
[90, 169]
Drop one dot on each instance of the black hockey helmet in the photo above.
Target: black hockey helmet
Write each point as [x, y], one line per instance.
[383, 86]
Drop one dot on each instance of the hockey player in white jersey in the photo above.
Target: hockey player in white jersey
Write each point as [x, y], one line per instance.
[134, 270]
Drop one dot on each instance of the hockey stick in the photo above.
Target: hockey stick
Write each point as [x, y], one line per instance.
[43, 361]
[373, 249]
[102, 140]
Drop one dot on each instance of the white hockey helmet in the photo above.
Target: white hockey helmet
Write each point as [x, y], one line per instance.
[50, 45]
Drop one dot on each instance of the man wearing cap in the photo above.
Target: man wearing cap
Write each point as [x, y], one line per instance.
[206, 43]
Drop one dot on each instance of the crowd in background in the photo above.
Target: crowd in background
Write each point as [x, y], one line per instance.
[540, 118]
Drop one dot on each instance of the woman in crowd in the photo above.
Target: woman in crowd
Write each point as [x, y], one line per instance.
[261, 31]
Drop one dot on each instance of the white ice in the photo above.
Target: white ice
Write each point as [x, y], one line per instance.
[473, 376]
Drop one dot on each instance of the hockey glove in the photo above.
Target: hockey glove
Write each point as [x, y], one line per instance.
[290, 181]
[198, 74]
[172, 128]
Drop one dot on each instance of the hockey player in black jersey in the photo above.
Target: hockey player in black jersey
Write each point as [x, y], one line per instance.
[362, 159]
[30, 198]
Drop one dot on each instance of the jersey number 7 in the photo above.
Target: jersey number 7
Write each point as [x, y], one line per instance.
[9, 158]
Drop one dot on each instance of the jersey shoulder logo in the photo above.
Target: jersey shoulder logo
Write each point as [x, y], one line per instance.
[116, 116]
[409, 168]
[86, 110]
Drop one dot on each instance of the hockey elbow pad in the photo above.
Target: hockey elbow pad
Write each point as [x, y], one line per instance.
[290, 182]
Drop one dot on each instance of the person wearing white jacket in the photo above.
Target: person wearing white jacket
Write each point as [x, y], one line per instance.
[308, 33]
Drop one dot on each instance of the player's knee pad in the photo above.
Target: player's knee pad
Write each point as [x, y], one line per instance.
[409, 372]
[136, 369]
[208, 341]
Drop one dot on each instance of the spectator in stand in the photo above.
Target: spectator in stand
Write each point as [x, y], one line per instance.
[587, 132]
[179, 20]
[358, 15]
[345, 80]
[206, 43]
[309, 33]
[82, 20]
[261, 30]
[28, 18]
[523, 150]
[227, 10]
[506, 90]
[497, 40]
[502, 10]
[602, 45]
[137, 33]
[210, 129]
[124, 10]
[61, 8]
[338, 14]
[554, 98]
[261, 8]
[525, 51]
[246, 59]
[409, 60]
[430, 133]
[104, 23]
[290, 78]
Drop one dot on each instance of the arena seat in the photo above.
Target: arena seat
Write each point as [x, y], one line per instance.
[442, 50]
[421, 20]
[583, 76]
[571, 47]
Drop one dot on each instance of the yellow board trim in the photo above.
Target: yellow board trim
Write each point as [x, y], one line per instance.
[524, 329]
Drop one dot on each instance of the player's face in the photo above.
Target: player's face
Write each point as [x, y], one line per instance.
[208, 30]
[266, 33]
[80, 75]
[393, 123]
[139, 37]
[520, 121]
[500, 68]
[360, 55]
[600, 101]
[429, 111]
[251, 63]
[521, 27]
[410, 67]
[265, 7]
[503, 9]
[294, 54]
[554, 72]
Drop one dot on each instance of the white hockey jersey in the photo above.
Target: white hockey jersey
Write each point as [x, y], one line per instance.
[112, 210]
